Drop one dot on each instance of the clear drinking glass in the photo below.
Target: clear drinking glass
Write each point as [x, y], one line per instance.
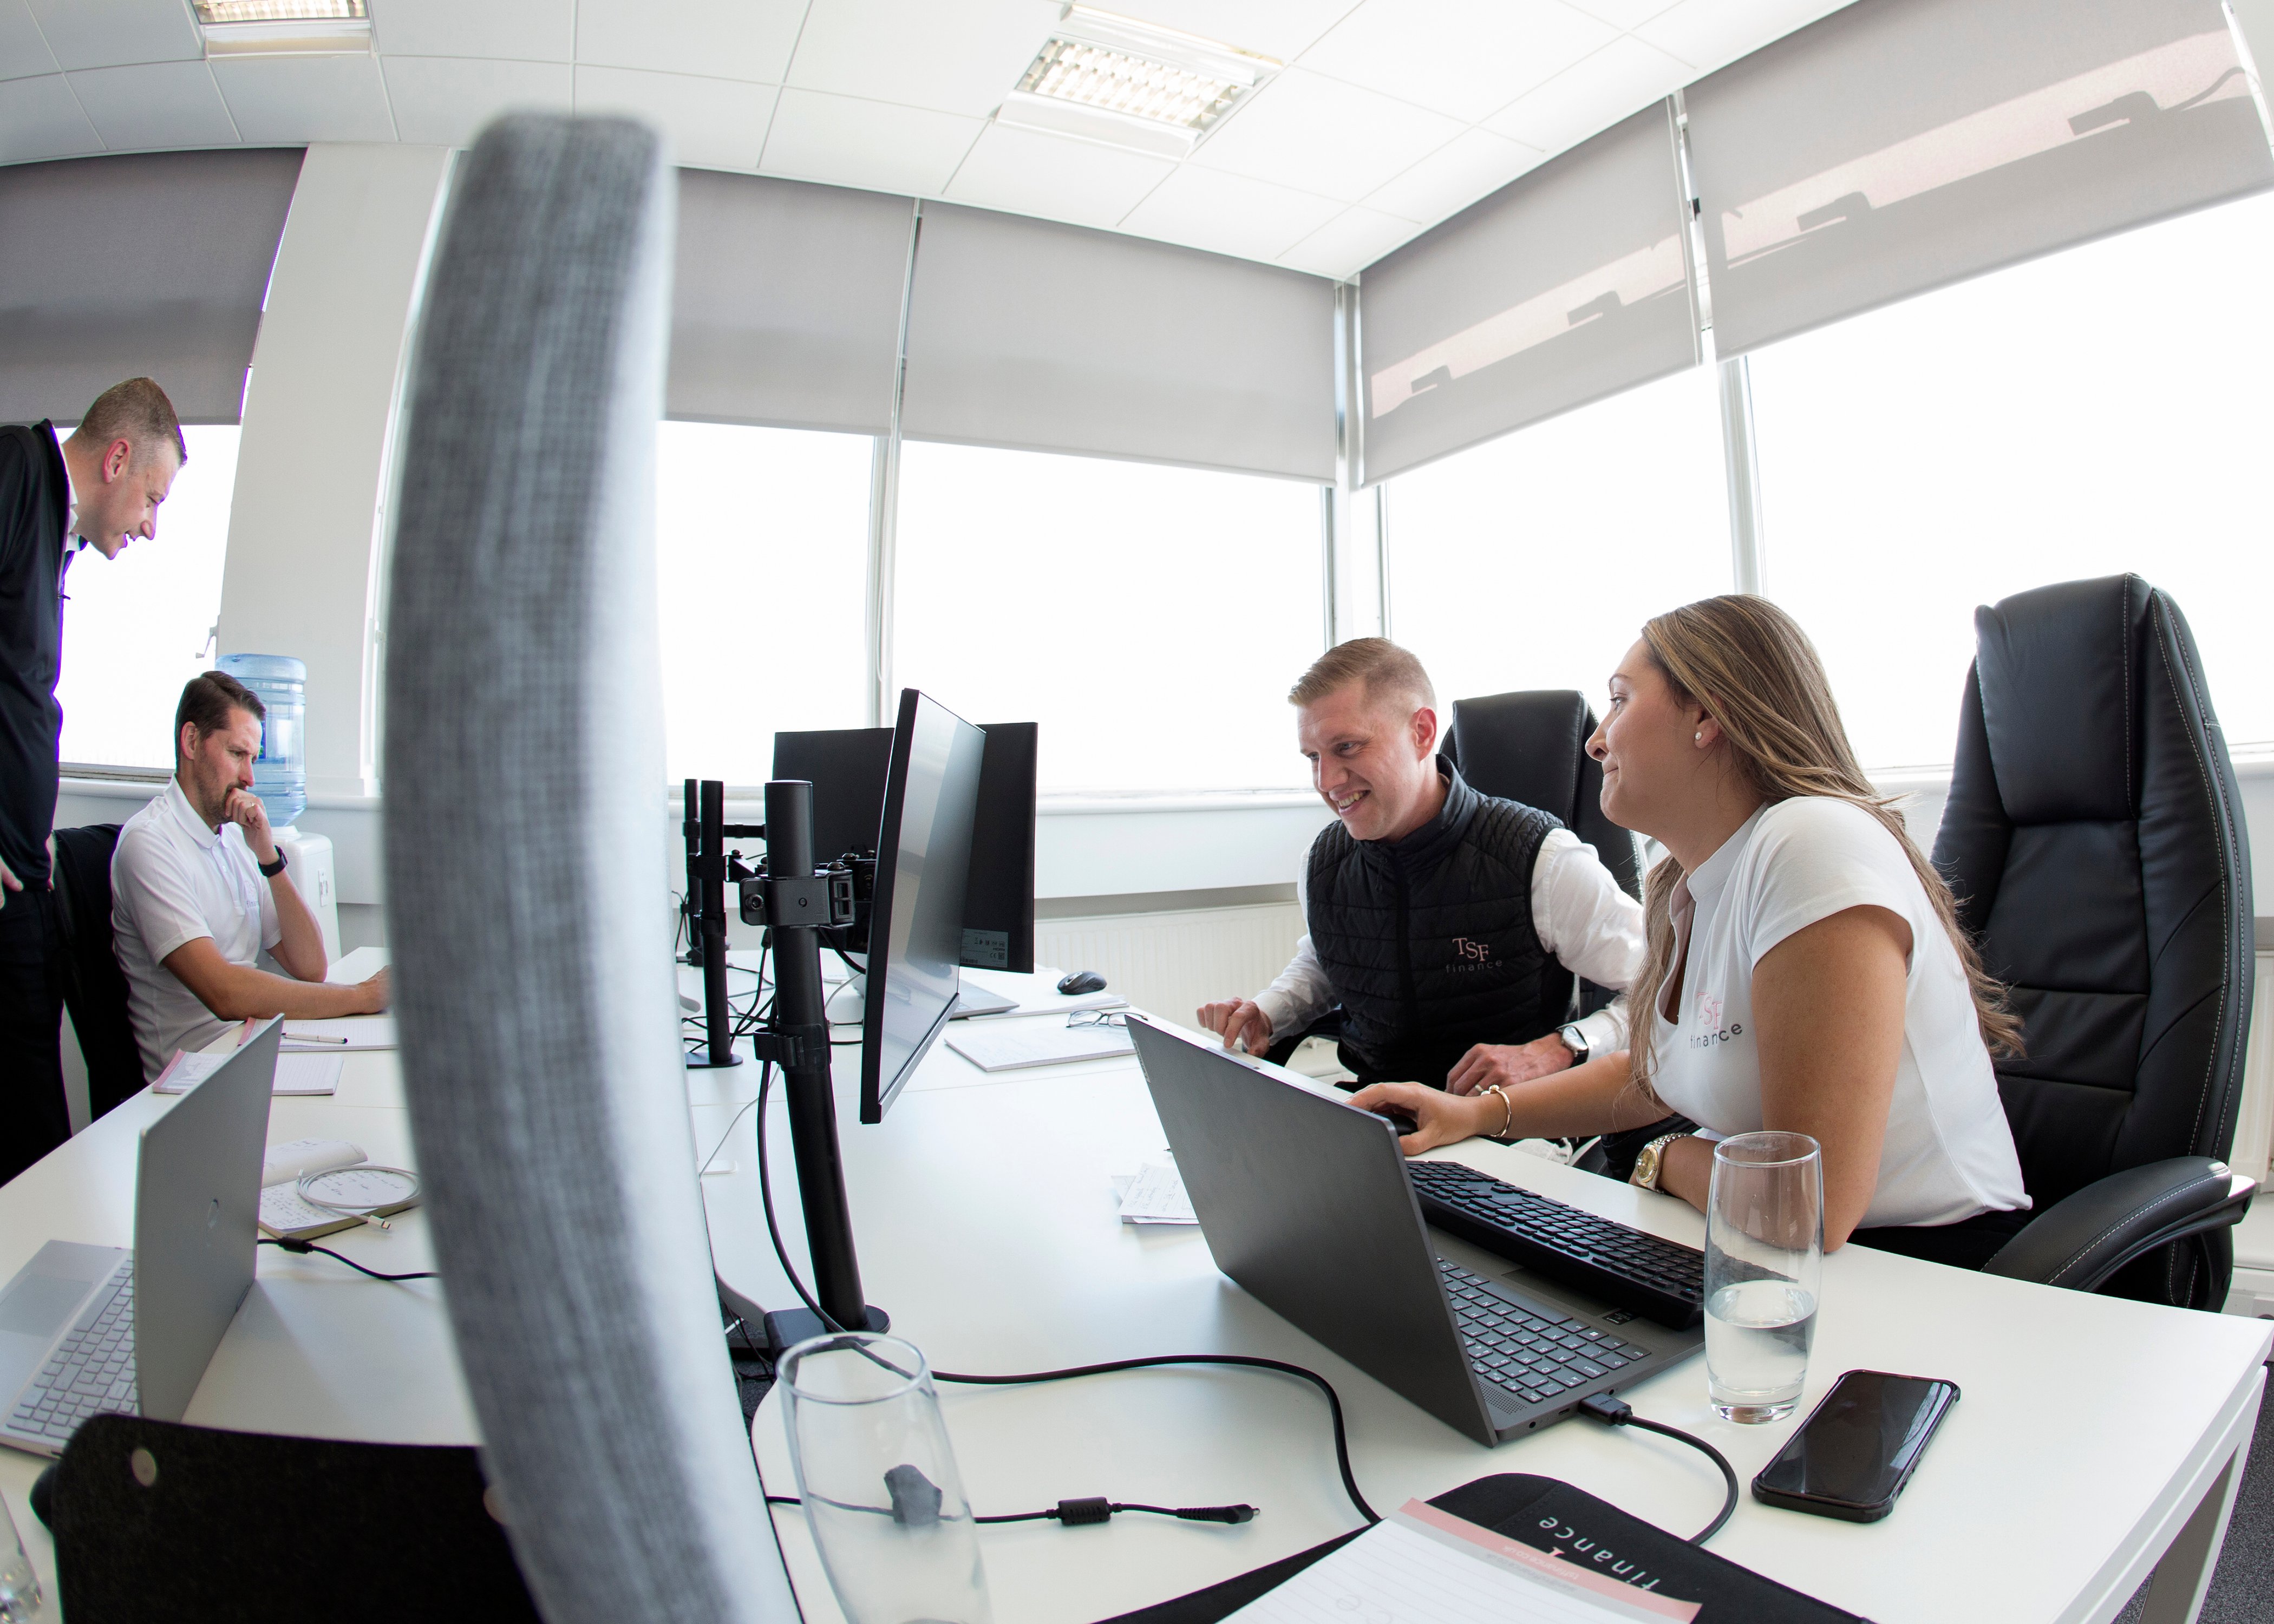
[20, 1586]
[877, 1476]
[1764, 1265]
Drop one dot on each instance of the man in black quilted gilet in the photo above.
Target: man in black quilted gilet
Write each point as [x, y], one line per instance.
[1433, 912]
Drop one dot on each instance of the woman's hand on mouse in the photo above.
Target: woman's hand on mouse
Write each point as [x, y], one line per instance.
[1440, 1118]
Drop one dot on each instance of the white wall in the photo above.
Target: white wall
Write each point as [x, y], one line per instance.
[313, 462]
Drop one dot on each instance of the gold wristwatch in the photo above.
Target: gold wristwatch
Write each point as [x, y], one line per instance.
[1646, 1167]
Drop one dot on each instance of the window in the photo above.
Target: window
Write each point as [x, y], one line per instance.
[138, 626]
[1150, 619]
[2100, 411]
[1533, 561]
[762, 568]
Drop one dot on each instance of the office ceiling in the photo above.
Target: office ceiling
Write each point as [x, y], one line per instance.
[1390, 114]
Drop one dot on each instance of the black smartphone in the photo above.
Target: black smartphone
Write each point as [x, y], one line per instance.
[1853, 1455]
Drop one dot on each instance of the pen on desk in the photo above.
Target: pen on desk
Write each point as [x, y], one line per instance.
[312, 1037]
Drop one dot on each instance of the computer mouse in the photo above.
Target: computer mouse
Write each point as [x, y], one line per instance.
[1081, 981]
[1405, 1121]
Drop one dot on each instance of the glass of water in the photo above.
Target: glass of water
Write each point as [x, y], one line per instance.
[881, 1495]
[20, 1586]
[1764, 1264]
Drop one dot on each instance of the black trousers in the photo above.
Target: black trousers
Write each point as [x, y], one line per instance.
[33, 1118]
[1970, 1242]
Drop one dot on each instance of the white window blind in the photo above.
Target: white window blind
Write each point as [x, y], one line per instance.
[1568, 284]
[151, 265]
[1899, 145]
[1034, 335]
[785, 303]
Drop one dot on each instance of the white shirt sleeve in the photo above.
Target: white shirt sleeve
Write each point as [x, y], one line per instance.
[1822, 857]
[1593, 927]
[1302, 993]
[156, 895]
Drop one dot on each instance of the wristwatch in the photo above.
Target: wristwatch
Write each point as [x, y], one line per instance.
[269, 871]
[1645, 1168]
[1575, 1040]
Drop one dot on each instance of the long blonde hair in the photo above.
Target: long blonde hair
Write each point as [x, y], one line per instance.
[1753, 669]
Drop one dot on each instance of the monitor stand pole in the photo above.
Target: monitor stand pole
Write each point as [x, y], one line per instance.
[797, 1038]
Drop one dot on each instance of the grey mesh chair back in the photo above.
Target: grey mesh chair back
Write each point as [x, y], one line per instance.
[525, 846]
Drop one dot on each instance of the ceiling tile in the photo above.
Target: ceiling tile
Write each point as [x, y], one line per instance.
[717, 124]
[1282, 29]
[1348, 244]
[1029, 173]
[525, 30]
[1474, 165]
[962, 58]
[1462, 57]
[1624, 77]
[41, 119]
[154, 104]
[1712, 33]
[1623, 13]
[23, 53]
[1320, 135]
[105, 33]
[446, 101]
[877, 144]
[277, 100]
[727, 39]
[1229, 213]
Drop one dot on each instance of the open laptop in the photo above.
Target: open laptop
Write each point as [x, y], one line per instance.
[84, 1329]
[1305, 1202]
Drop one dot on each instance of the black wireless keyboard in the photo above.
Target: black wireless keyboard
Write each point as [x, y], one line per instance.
[1656, 1278]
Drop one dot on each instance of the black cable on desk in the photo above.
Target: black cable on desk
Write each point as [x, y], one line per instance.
[1072, 1512]
[1334, 1400]
[308, 1246]
[1613, 1412]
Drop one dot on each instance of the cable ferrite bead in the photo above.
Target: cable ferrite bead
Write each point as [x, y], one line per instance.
[1095, 1508]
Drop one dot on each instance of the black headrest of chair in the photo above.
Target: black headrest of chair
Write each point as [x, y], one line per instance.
[2076, 762]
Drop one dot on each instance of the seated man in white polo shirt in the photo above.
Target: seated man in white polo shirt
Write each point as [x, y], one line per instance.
[198, 889]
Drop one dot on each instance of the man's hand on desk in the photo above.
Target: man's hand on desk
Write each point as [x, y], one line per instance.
[1237, 1019]
[1508, 1065]
[377, 992]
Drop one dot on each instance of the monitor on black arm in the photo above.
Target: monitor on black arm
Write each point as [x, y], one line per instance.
[846, 767]
[916, 927]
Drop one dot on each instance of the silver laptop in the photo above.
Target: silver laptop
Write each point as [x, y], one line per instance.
[1305, 1202]
[84, 1329]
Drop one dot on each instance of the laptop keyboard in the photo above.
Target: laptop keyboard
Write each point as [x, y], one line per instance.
[1622, 1266]
[1535, 1358]
[92, 1371]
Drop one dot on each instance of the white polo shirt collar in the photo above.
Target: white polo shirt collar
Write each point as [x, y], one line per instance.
[187, 816]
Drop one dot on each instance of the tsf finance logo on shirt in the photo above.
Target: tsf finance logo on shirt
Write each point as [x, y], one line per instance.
[1706, 1025]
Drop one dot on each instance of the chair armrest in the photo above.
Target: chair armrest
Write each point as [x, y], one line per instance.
[2079, 1242]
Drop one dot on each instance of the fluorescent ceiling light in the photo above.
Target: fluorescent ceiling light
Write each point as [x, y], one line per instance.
[233, 27]
[1108, 78]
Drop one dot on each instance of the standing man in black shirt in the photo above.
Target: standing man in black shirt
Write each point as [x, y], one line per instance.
[100, 487]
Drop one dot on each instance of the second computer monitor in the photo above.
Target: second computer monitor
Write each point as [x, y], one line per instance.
[846, 768]
[923, 861]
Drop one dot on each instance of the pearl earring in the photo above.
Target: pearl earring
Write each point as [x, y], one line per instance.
[1698, 737]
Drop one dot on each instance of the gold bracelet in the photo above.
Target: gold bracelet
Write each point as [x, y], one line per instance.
[1507, 1113]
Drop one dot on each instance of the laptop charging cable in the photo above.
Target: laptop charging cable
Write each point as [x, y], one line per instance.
[1615, 1412]
[1067, 1513]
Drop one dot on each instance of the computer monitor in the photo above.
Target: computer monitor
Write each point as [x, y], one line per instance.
[846, 767]
[915, 926]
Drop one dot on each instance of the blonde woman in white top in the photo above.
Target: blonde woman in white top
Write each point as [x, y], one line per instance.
[1806, 971]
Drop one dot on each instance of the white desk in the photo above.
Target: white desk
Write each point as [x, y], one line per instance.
[2093, 1436]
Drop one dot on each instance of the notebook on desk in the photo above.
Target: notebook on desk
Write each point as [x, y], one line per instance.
[1008, 1045]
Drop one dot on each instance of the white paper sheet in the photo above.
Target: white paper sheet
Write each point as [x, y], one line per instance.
[1156, 1195]
[361, 1032]
[1001, 1043]
[296, 1074]
[1422, 1563]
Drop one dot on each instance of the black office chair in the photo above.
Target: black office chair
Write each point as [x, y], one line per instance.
[94, 987]
[1531, 746]
[2094, 840]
